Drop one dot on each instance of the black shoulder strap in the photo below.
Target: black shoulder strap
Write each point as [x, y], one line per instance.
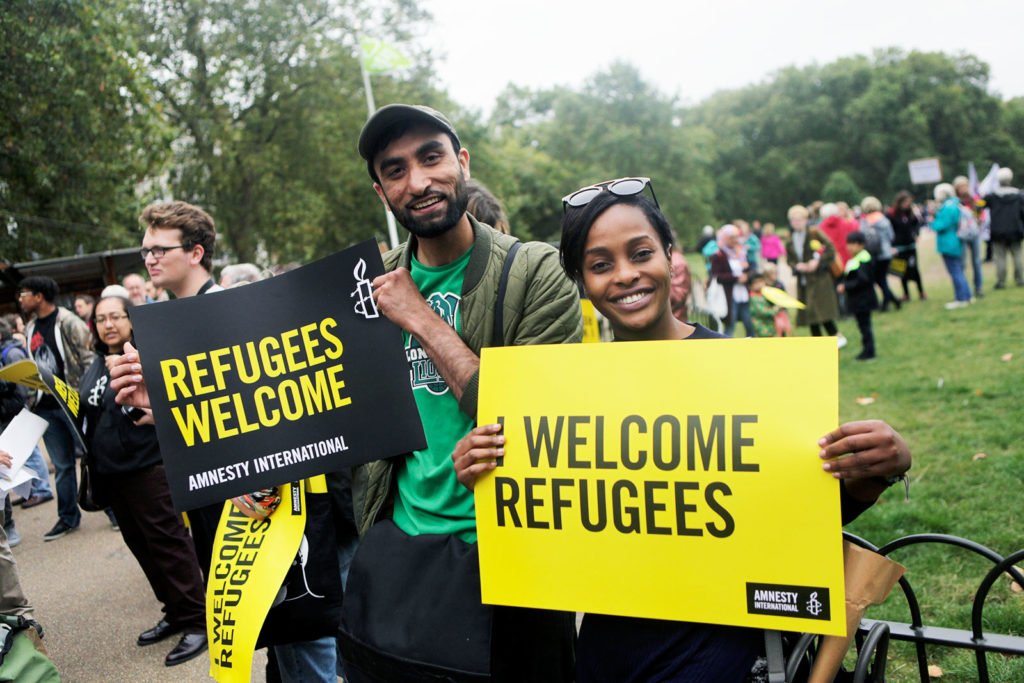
[498, 334]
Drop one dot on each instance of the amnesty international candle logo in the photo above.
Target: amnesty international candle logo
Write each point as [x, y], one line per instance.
[365, 305]
[644, 459]
[276, 381]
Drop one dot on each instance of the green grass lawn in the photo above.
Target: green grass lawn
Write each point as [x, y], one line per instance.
[940, 380]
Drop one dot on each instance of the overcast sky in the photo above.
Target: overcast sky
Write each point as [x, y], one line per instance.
[692, 49]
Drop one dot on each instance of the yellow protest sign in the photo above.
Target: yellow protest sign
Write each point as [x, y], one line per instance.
[671, 480]
[250, 560]
[591, 328]
[24, 372]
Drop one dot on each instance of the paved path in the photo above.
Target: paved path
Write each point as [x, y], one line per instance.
[93, 601]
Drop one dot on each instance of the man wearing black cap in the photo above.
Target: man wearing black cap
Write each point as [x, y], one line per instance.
[412, 605]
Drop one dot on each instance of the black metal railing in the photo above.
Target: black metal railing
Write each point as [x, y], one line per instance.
[922, 635]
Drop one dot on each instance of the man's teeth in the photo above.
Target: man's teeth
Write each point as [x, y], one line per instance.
[632, 298]
[426, 202]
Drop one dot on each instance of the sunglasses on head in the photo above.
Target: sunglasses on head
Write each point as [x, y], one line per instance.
[623, 187]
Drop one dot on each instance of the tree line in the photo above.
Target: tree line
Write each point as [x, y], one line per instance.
[252, 109]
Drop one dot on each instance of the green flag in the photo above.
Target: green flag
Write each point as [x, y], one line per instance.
[380, 57]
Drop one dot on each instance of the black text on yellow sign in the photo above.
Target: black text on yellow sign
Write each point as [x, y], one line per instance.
[654, 506]
[303, 363]
[664, 480]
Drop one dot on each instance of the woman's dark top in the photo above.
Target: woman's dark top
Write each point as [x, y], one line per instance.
[116, 444]
[905, 228]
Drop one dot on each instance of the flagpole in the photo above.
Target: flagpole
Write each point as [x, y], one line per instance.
[371, 107]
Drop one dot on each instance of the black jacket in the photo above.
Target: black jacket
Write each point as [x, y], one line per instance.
[116, 444]
[859, 282]
[1006, 208]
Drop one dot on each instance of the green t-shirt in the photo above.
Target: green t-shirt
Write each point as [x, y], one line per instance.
[430, 499]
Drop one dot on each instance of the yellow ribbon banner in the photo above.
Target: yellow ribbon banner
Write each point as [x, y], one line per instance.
[672, 480]
[250, 560]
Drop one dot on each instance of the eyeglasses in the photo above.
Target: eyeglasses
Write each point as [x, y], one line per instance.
[113, 317]
[623, 187]
[158, 252]
[22, 295]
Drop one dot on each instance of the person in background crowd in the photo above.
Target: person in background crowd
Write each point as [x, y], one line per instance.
[155, 293]
[83, 309]
[13, 399]
[858, 285]
[1006, 209]
[878, 233]
[970, 231]
[17, 327]
[783, 325]
[136, 286]
[240, 274]
[682, 283]
[906, 225]
[762, 313]
[60, 341]
[945, 225]
[814, 213]
[811, 254]
[771, 246]
[836, 228]
[128, 473]
[486, 208]
[752, 244]
[707, 235]
[730, 267]
[614, 245]
[709, 249]
[83, 306]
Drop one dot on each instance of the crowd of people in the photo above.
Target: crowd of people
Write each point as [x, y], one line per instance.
[404, 529]
[842, 258]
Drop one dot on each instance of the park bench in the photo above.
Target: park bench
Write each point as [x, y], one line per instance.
[922, 635]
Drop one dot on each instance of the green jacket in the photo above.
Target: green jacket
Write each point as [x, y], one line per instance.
[542, 306]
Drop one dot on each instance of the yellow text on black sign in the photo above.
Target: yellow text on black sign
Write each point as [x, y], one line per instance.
[298, 374]
[670, 504]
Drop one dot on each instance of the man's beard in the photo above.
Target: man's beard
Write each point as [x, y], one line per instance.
[435, 227]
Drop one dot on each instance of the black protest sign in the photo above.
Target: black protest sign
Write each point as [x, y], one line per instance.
[276, 381]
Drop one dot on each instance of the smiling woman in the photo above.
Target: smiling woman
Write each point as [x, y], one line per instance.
[616, 243]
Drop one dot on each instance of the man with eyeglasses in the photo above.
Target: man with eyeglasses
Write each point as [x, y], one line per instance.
[59, 340]
[177, 249]
[442, 289]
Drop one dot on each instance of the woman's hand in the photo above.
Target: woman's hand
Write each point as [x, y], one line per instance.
[863, 454]
[126, 379]
[5, 459]
[475, 453]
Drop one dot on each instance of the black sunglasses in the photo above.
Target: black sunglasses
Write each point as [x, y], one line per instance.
[623, 187]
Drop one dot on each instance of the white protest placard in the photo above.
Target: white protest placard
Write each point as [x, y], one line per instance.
[925, 171]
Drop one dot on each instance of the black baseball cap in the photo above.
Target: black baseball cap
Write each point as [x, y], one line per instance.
[389, 116]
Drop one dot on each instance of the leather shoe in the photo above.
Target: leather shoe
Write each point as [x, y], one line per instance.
[189, 647]
[157, 633]
[32, 501]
